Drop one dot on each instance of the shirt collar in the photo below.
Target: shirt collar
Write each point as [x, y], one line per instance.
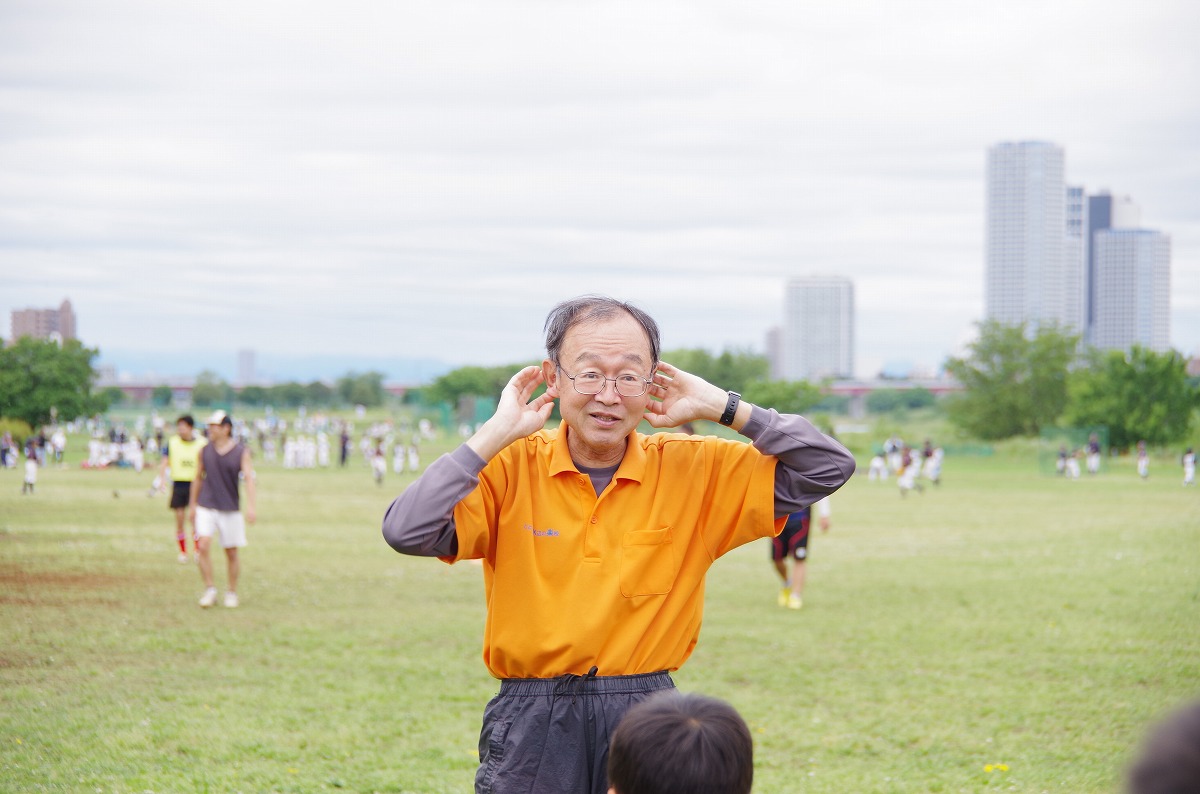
[633, 464]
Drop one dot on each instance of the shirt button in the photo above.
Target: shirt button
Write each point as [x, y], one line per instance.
[593, 519]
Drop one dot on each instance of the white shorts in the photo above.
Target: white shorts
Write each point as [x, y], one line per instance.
[229, 523]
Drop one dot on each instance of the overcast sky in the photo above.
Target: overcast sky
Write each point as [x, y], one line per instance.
[427, 179]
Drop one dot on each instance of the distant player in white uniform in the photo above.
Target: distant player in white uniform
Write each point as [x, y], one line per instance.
[31, 468]
[878, 469]
[933, 466]
[379, 463]
[910, 472]
[1189, 467]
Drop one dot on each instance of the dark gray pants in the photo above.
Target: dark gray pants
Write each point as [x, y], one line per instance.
[550, 735]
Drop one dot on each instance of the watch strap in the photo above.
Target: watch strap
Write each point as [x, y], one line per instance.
[731, 408]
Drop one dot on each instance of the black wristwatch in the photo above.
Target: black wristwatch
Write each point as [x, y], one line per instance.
[731, 408]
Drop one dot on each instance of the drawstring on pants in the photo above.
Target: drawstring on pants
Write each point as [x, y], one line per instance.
[574, 684]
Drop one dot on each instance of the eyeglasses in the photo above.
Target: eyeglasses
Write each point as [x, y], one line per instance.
[593, 383]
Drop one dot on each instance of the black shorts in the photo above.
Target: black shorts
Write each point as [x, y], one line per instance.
[181, 492]
[550, 735]
[793, 540]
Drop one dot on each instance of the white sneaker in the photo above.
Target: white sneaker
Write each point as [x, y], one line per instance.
[183, 558]
[230, 599]
[209, 598]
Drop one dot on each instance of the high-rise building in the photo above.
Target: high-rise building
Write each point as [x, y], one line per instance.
[1075, 254]
[775, 352]
[246, 368]
[1026, 274]
[44, 323]
[1057, 256]
[818, 332]
[1104, 211]
[1133, 289]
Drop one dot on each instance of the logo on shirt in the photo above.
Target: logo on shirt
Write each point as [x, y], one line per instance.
[541, 533]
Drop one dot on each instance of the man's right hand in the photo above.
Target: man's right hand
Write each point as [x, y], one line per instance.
[516, 415]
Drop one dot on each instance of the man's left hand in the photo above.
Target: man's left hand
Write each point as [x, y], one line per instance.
[682, 397]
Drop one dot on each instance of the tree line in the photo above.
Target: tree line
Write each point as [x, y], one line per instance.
[1016, 382]
[353, 388]
[41, 380]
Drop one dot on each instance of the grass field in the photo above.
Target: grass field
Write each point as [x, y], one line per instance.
[1006, 621]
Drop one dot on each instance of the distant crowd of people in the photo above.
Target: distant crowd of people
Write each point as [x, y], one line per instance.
[1067, 463]
[909, 466]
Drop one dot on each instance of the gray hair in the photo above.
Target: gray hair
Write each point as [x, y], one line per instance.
[591, 308]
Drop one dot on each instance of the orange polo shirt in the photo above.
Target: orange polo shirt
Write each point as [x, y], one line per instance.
[574, 580]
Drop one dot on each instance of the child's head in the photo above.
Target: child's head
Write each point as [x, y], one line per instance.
[1170, 760]
[673, 743]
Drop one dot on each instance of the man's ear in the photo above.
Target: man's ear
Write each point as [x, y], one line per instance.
[550, 374]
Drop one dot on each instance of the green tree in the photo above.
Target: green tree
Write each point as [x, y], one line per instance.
[786, 396]
[361, 389]
[112, 395]
[831, 404]
[318, 393]
[288, 395]
[732, 369]
[1139, 395]
[162, 396]
[210, 390]
[1015, 384]
[256, 396]
[882, 401]
[471, 382]
[40, 379]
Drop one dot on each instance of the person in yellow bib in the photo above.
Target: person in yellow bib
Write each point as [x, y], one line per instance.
[183, 459]
[595, 539]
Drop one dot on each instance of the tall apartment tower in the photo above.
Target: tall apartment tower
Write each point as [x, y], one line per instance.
[1104, 211]
[1133, 289]
[44, 323]
[775, 352]
[1026, 218]
[1075, 254]
[818, 331]
[246, 368]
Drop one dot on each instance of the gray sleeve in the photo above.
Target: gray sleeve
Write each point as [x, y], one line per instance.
[810, 465]
[421, 520]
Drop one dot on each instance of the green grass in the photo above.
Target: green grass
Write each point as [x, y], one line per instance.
[1003, 618]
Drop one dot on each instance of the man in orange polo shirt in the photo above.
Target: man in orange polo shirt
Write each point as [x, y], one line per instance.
[595, 539]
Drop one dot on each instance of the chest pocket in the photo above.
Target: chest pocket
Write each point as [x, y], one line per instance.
[647, 562]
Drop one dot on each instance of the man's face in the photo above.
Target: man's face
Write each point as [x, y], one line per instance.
[218, 432]
[184, 430]
[600, 423]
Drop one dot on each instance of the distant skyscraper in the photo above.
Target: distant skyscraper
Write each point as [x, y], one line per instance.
[44, 323]
[1133, 289]
[1075, 253]
[818, 335]
[775, 352]
[1104, 211]
[1056, 255]
[1026, 208]
[246, 368]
